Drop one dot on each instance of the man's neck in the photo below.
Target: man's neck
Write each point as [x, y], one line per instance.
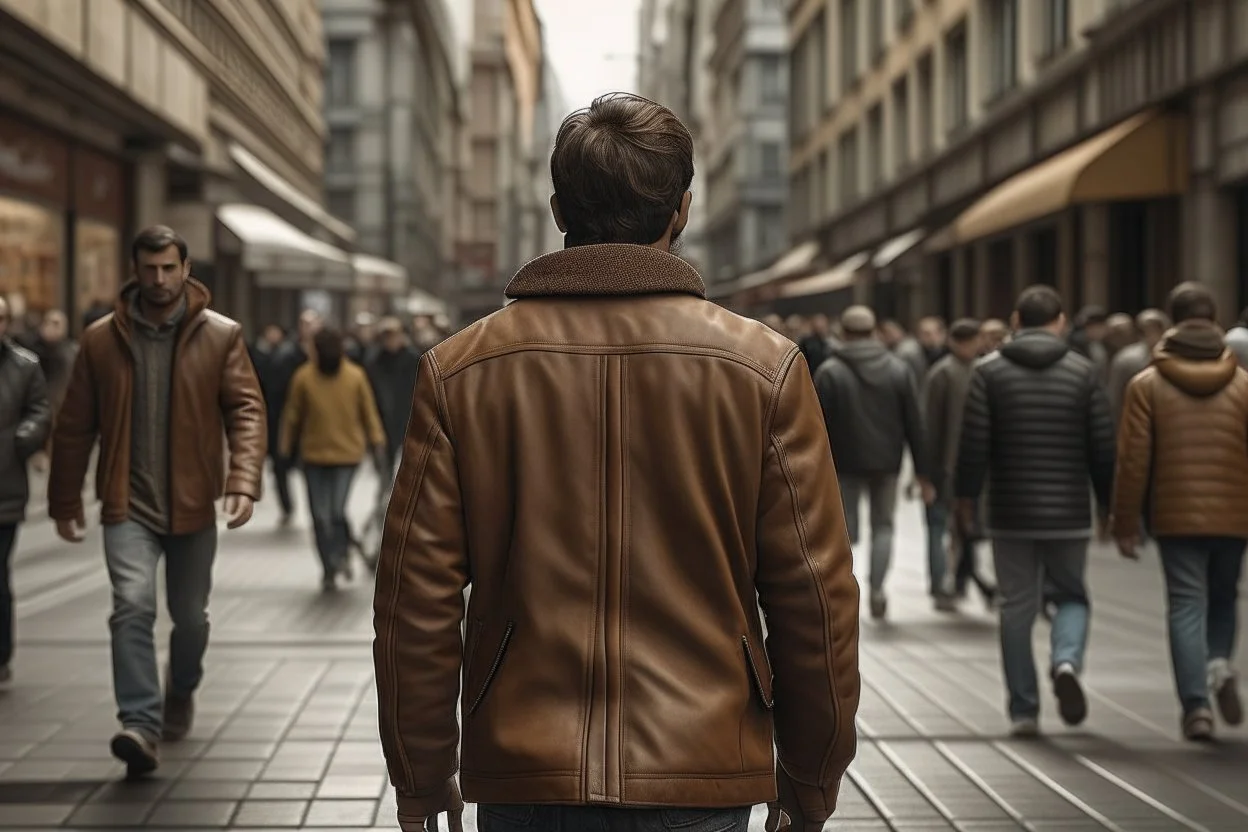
[158, 315]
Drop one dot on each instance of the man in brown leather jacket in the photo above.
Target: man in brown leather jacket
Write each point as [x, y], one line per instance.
[623, 472]
[162, 383]
[1183, 463]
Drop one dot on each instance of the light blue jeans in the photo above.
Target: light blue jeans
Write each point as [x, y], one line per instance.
[938, 515]
[1202, 589]
[881, 493]
[1026, 570]
[328, 489]
[133, 552]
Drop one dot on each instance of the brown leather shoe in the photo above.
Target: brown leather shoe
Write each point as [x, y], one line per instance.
[179, 716]
[137, 751]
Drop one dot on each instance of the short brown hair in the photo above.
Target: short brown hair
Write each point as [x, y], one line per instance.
[1191, 300]
[620, 169]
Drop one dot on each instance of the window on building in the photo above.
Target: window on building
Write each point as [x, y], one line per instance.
[822, 201]
[771, 80]
[340, 153]
[904, 10]
[925, 111]
[847, 159]
[340, 202]
[849, 44]
[771, 232]
[820, 60]
[771, 165]
[1003, 46]
[875, 148]
[340, 72]
[875, 28]
[1055, 34]
[957, 104]
[799, 90]
[901, 123]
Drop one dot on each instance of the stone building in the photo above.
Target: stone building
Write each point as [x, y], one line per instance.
[945, 154]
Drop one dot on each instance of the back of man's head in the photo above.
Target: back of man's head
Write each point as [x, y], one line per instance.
[1191, 301]
[858, 322]
[1038, 306]
[1152, 322]
[621, 169]
[964, 331]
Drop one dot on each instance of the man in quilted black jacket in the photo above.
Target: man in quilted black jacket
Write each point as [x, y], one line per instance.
[1037, 427]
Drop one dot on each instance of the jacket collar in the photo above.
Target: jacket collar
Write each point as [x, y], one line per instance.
[197, 299]
[609, 269]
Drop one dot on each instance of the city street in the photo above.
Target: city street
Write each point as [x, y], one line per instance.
[287, 724]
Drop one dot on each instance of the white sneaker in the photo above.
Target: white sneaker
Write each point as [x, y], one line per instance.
[1224, 689]
[1025, 728]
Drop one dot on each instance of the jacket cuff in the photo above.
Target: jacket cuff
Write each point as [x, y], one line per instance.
[65, 511]
[816, 804]
[246, 486]
[444, 798]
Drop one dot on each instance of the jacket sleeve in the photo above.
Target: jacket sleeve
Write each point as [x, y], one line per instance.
[916, 437]
[32, 430]
[936, 418]
[76, 429]
[418, 608]
[808, 592]
[1100, 445]
[246, 421]
[1135, 457]
[368, 412]
[973, 447]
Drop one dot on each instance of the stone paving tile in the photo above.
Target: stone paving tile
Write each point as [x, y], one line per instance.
[193, 813]
[270, 813]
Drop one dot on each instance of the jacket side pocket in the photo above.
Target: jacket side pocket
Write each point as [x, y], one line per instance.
[760, 676]
[499, 654]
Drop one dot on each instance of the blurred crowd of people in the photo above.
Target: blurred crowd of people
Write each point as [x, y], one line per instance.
[1036, 435]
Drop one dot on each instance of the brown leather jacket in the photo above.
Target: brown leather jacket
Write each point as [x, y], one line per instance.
[1183, 447]
[215, 395]
[621, 471]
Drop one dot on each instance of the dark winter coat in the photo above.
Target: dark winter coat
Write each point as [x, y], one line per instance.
[25, 419]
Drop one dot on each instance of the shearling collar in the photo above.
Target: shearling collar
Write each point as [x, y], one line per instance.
[605, 269]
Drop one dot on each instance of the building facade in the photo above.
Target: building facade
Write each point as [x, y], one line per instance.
[745, 140]
[392, 109]
[504, 88]
[946, 154]
[201, 114]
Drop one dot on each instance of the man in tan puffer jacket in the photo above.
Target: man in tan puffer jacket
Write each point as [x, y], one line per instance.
[1183, 463]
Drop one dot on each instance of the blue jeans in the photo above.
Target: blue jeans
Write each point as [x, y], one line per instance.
[881, 493]
[328, 489]
[132, 552]
[937, 557]
[1026, 569]
[549, 818]
[1202, 583]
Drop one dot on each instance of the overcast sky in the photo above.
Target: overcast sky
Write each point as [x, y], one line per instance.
[592, 45]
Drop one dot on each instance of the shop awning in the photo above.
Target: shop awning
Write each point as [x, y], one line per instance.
[275, 183]
[840, 276]
[1141, 158]
[888, 253]
[379, 275]
[420, 302]
[282, 256]
[795, 260]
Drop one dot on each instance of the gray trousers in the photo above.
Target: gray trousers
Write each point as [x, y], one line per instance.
[133, 552]
[1026, 571]
[881, 493]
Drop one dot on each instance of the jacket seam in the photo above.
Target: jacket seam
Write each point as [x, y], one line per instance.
[830, 631]
[773, 401]
[602, 349]
[391, 635]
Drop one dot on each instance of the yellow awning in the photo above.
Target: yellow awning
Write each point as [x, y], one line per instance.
[1140, 158]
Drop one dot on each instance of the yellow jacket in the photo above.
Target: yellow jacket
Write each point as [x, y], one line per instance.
[334, 419]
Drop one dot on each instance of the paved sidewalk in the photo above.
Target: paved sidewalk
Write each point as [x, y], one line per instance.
[286, 734]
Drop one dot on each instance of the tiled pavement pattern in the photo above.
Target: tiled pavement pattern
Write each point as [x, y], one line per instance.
[286, 734]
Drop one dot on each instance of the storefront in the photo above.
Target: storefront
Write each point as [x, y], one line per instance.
[62, 215]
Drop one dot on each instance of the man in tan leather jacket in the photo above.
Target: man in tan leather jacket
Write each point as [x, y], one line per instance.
[1183, 463]
[623, 472]
[161, 384]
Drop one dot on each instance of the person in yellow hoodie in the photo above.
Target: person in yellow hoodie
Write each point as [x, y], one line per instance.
[331, 416]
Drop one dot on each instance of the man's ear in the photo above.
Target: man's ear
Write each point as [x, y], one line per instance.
[1014, 321]
[557, 214]
[682, 213]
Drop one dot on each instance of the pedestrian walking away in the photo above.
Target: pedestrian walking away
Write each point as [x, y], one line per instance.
[392, 373]
[331, 417]
[1183, 466]
[1036, 428]
[871, 411]
[163, 384]
[25, 418]
[622, 471]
